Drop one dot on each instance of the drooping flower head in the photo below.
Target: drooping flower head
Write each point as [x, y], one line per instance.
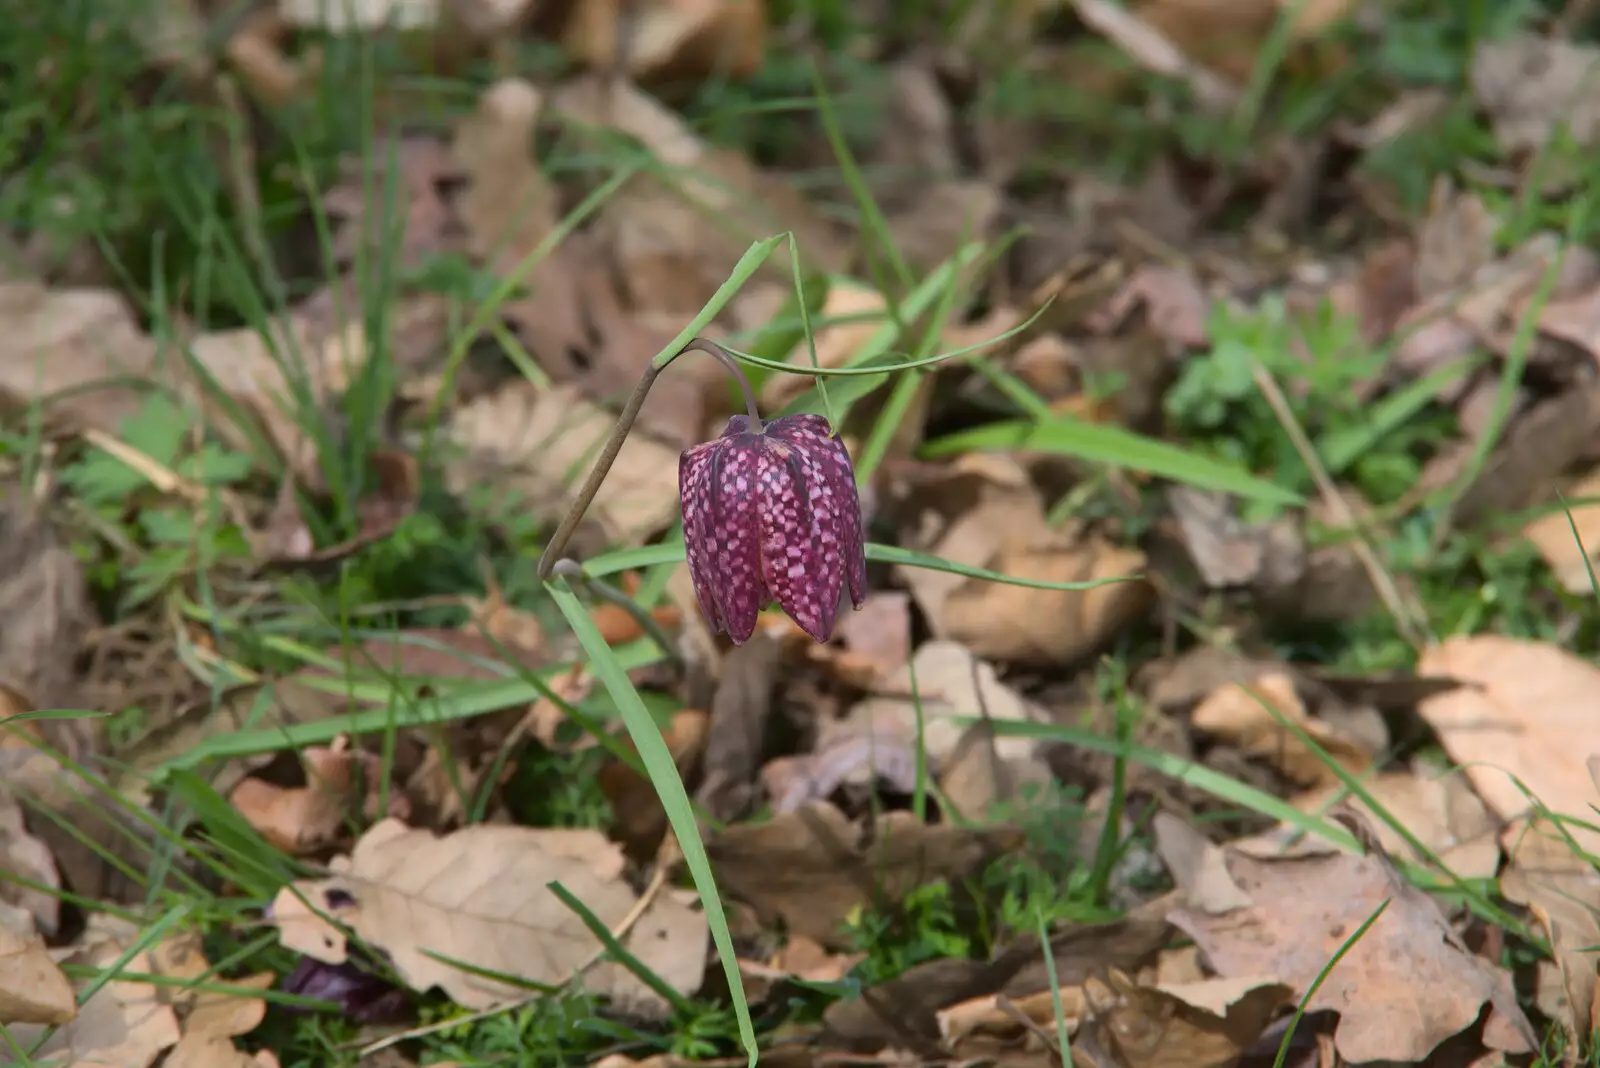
[770, 512]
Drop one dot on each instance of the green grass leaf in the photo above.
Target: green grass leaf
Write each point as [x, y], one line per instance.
[669, 788]
[1115, 446]
[672, 552]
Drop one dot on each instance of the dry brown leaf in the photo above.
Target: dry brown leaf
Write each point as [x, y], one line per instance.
[422, 166]
[980, 783]
[1305, 908]
[1439, 810]
[1227, 35]
[1208, 1024]
[72, 339]
[880, 756]
[1562, 889]
[1005, 530]
[33, 989]
[669, 40]
[879, 631]
[1034, 626]
[836, 343]
[951, 684]
[181, 958]
[1529, 85]
[479, 896]
[675, 233]
[26, 857]
[1242, 715]
[1527, 710]
[1228, 551]
[126, 1022]
[638, 819]
[537, 445]
[740, 711]
[1197, 865]
[341, 784]
[1174, 305]
[811, 869]
[201, 1050]
[508, 206]
[800, 958]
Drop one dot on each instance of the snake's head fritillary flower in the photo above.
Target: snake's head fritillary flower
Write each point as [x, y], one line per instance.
[770, 512]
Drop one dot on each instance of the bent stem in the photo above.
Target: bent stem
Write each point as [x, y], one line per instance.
[600, 589]
[608, 456]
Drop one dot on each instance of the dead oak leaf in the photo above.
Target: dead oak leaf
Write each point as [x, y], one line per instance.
[1405, 986]
[481, 896]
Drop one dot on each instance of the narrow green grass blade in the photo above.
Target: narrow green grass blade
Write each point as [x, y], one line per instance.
[742, 272]
[664, 777]
[1112, 445]
[672, 552]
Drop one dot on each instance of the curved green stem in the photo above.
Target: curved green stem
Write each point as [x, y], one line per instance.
[554, 551]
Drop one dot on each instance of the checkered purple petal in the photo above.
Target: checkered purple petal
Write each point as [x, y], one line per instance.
[799, 537]
[699, 539]
[830, 468]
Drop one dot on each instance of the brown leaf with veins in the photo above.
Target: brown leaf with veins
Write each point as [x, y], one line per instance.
[1408, 984]
[480, 896]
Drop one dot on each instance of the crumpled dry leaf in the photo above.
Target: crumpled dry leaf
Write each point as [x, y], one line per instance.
[26, 857]
[800, 958]
[33, 989]
[1562, 889]
[639, 820]
[341, 784]
[675, 232]
[1305, 908]
[213, 1013]
[950, 683]
[1207, 1024]
[811, 869]
[1439, 810]
[422, 166]
[669, 40]
[479, 896]
[1174, 304]
[1527, 711]
[508, 206]
[1530, 84]
[1227, 35]
[1197, 865]
[1006, 531]
[1242, 715]
[538, 444]
[64, 339]
[979, 783]
[881, 756]
[1229, 552]
[126, 1023]
[740, 711]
